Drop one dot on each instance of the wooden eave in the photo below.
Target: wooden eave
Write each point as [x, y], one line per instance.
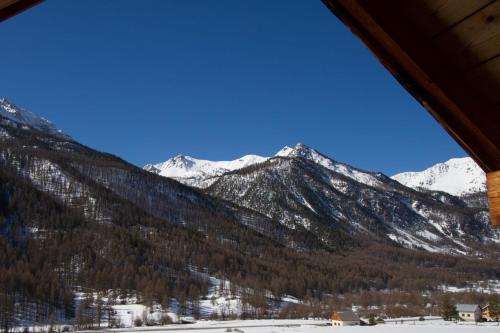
[446, 53]
[9, 8]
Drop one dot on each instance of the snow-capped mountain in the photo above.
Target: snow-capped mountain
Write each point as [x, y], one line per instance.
[302, 188]
[200, 173]
[301, 150]
[458, 176]
[203, 173]
[15, 116]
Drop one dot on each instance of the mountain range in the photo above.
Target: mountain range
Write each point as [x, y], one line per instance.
[298, 223]
[457, 176]
[300, 187]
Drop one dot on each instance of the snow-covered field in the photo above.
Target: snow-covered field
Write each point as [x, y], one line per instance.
[219, 301]
[486, 287]
[319, 326]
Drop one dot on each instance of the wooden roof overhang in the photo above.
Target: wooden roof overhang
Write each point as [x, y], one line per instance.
[446, 53]
[9, 8]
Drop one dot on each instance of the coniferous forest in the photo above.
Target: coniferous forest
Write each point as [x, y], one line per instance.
[72, 218]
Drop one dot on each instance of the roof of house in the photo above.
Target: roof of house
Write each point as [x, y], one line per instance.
[467, 307]
[9, 8]
[347, 315]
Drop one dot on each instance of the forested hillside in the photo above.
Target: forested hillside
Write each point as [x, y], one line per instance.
[72, 217]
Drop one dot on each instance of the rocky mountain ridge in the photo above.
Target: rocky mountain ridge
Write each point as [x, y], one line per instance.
[13, 115]
[458, 176]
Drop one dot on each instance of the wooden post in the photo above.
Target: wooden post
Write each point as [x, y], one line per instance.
[493, 183]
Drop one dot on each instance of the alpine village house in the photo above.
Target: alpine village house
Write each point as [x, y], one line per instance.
[469, 312]
[344, 318]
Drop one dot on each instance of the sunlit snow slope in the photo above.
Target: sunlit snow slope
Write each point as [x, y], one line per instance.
[200, 173]
[458, 176]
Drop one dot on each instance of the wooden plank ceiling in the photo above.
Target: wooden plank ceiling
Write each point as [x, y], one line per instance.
[447, 54]
[9, 8]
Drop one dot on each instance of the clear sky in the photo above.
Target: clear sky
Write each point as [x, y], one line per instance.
[147, 80]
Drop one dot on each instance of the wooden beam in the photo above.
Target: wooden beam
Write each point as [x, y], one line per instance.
[493, 183]
[9, 8]
[435, 16]
[447, 55]
[428, 74]
[474, 40]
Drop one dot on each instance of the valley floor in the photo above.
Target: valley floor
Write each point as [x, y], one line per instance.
[318, 326]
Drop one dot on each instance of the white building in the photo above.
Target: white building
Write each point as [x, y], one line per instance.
[344, 318]
[469, 312]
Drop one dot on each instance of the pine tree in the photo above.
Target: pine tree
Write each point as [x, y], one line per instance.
[448, 309]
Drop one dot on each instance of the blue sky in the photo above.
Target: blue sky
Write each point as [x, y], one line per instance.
[215, 80]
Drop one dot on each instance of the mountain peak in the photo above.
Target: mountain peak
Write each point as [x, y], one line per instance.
[197, 172]
[181, 161]
[284, 152]
[457, 176]
[303, 150]
[300, 150]
[300, 145]
[20, 116]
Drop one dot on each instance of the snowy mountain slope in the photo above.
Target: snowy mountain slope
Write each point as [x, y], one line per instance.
[20, 116]
[301, 150]
[203, 173]
[200, 173]
[302, 187]
[77, 176]
[457, 176]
